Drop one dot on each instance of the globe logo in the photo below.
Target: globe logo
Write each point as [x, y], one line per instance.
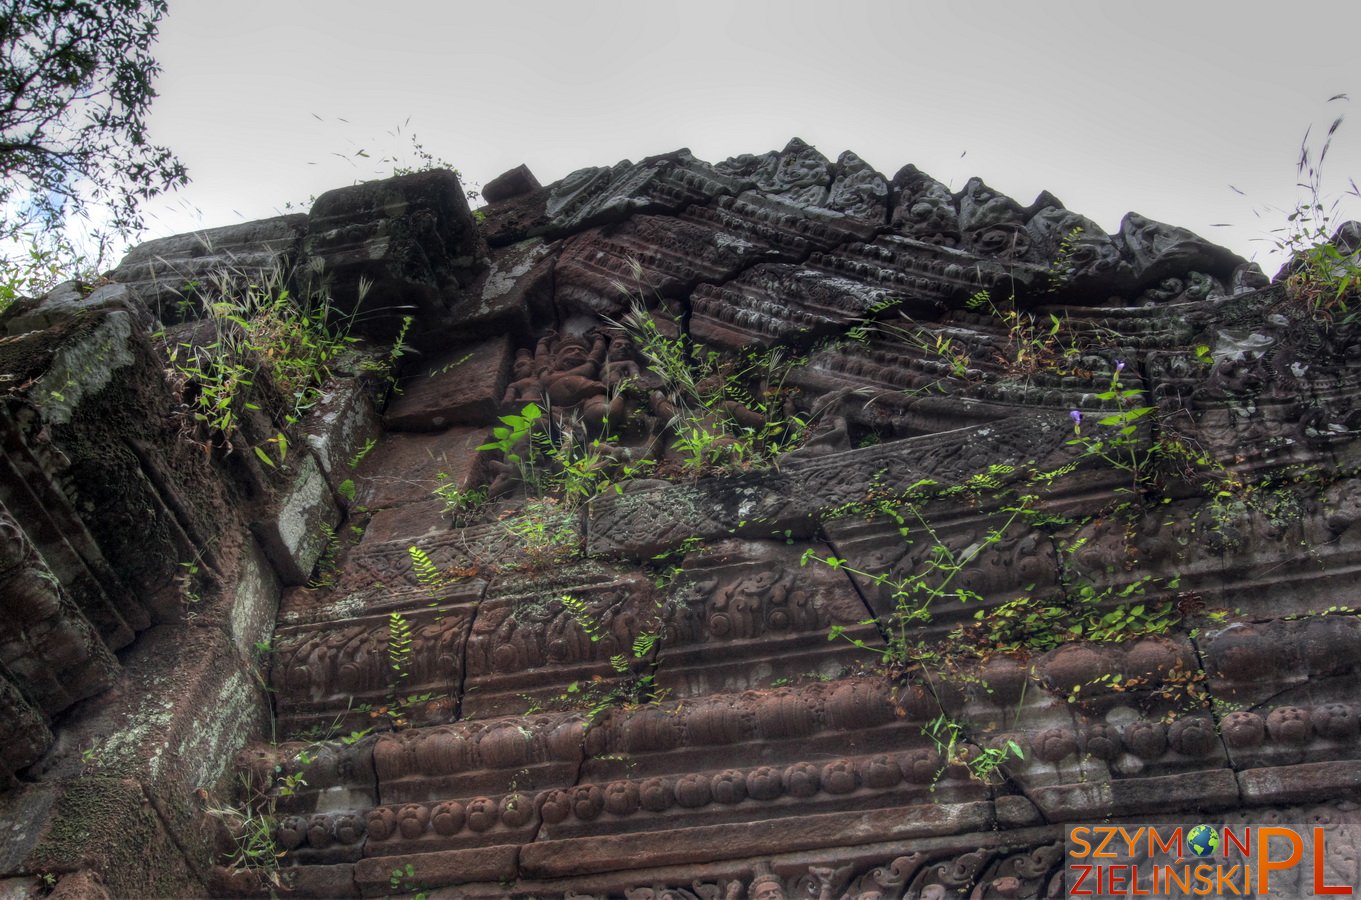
[1203, 840]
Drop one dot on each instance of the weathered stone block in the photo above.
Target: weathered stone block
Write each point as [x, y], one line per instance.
[444, 867]
[511, 183]
[654, 518]
[1021, 563]
[25, 812]
[411, 240]
[405, 468]
[255, 603]
[481, 757]
[293, 530]
[112, 494]
[650, 257]
[412, 523]
[1305, 783]
[513, 297]
[381, 574]
[462, 386]
[24, 735]
[82, 885]
[1202, 791]
[324, 882]
[49, 651]
[706, 843]
[340, 425]
[174, 276]
[107, 825]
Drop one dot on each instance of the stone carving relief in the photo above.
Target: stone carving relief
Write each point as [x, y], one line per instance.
[47, 648]
[324, 672]
[654, 710]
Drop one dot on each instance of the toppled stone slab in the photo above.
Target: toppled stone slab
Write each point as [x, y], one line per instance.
[512, 183]
[462, 386]
[513, 297]
[297, 528]
[175, 276]
[405, 468]
[409, 242]
[340, 425]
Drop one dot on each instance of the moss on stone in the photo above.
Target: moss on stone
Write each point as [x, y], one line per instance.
[108, 825]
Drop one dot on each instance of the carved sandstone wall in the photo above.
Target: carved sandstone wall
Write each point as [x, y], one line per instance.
[628, 689]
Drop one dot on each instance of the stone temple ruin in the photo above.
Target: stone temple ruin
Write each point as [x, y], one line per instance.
[839, 536]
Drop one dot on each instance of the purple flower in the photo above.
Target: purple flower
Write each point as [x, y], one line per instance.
[1119, 365]
[1076, 416]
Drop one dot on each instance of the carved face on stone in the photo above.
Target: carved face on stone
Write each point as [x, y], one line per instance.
[1090, 253]
[524, 364]
[766, 887]
[933, 218]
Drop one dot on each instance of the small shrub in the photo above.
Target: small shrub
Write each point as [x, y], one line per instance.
[1325, 262]
[259, 328]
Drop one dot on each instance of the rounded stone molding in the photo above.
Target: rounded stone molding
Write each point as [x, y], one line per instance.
[1336, 722]
[729, 786]
[1193, 736]
[554, 806]
[622, 798]
[765, 783]
[716, 722]
[588, 801]
[1243, 729]
[1331, 644]
[839, 777]
[515, 810]
[348, 828]
[1289, 725]
[1075, 664]
[1157, 656]
[411, 820]
[880, 772]
[505, 746]
[1101, 741]
[1146, 740]
[381, 823]
[859, 704]
[785, 715]
[652, 729]
[802, 780]
[1054, 744]
[921, 766]
[319, 833]
[291, 832]
[448, 818]
[656, 795]
[693, 791]
[1242, 653]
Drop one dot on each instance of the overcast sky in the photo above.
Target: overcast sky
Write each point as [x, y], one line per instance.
[1146, 106]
